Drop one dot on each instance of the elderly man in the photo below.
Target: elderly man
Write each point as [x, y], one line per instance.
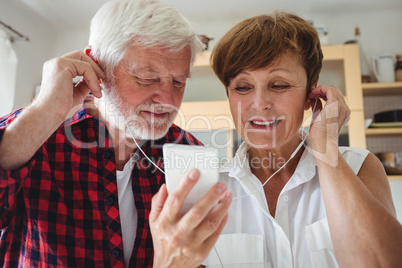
[78, 192]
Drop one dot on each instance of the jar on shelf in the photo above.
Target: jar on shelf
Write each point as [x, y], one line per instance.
[398, 68]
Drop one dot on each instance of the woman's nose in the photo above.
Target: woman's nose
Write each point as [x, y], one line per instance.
[262, 100]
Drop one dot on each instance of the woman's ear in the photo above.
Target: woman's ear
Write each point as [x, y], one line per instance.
[307, 105]
[309, 101]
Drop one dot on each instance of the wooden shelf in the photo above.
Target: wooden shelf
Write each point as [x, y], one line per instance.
[382, 89]
[335, 52]
[383, 131]
[202, 59]
[395, 177]
[205, 115]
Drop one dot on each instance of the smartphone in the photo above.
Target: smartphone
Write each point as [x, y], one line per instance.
[180, 159]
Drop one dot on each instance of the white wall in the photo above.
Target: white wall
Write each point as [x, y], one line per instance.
[71, 41]
[380, 29]
[31, 55]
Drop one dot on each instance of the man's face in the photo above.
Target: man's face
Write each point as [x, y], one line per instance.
[148, 89]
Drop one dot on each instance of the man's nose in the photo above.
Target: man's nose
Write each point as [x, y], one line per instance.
[165, 93]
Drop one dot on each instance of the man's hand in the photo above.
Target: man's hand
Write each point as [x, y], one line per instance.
[57, 90]
[186, 240]
[58, 99]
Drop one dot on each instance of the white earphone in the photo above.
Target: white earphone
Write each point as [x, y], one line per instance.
[242, 196]
[290, 158]
[239, 197]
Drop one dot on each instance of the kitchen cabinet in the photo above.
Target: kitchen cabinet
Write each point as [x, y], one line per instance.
[215, 115]
[380, 97]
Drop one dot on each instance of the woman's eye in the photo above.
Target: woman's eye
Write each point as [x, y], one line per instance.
[242, 89]
[280, 87]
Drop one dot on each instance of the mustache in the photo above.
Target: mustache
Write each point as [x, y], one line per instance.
[157, 107]
[147, 106]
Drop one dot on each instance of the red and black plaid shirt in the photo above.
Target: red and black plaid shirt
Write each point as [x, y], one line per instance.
[61, 209]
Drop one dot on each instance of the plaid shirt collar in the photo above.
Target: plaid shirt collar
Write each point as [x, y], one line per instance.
[78, 117]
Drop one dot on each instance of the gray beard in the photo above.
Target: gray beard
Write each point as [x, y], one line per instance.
[138, 127]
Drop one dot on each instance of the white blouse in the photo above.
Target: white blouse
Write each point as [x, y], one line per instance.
[298, 236]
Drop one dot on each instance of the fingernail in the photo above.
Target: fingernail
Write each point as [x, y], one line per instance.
[221, 187]
[228, 196]
[194, 174]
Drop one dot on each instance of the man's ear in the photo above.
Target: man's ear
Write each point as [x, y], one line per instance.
[88, 52]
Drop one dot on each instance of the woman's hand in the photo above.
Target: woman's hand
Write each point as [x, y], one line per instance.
[358, 206]
[185, 241]
[328, 122]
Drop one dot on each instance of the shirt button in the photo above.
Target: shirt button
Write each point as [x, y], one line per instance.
[115, 253]
[286, 198]
[106, 154]
[110, 200]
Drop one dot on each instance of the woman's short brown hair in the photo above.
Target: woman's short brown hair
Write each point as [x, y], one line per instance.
[258, 41]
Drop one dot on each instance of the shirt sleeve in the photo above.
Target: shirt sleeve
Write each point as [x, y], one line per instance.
[10, 180]
[354, 157]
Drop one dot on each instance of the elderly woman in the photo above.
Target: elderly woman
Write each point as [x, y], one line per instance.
[315, 205]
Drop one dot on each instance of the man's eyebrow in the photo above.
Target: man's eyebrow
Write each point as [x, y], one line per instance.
[188, 75]
[143, 70]
[151, 70]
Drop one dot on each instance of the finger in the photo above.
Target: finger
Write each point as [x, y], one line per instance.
[84, 69]
[81, 56]
[157, 203]
[84, 90]
[211, 240]
[215, 217]
[316, 93]
[176, 198]
[331, 94]
[328, 94]
[200, 209]
[83, 87]
[316, 109]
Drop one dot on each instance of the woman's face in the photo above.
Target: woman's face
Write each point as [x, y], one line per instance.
[267, 104]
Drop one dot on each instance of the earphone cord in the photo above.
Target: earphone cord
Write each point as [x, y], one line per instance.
[290, 158]
[262, 186]
[239, 197]
[124, 118]
[131, 134]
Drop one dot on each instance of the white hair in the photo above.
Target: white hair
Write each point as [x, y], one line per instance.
[120, 24]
